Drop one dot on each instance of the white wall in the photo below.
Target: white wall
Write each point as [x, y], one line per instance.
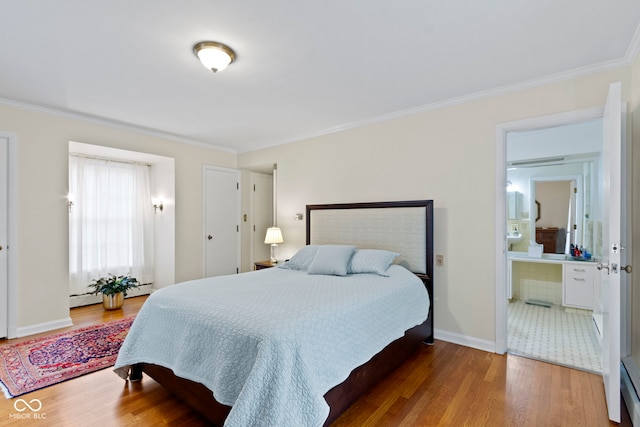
[42, 223]
[447, 155]
[163, 178]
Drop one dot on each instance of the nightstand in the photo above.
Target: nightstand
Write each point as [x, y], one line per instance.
[259, 265]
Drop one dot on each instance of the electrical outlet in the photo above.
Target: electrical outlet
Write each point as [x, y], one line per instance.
[440, 260]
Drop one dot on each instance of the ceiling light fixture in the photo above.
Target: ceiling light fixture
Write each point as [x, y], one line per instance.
[214, 56]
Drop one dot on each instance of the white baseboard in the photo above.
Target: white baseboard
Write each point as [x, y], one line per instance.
[464, 340]
[12, 332]
[43, 327]
[629, 381]
[66, 322]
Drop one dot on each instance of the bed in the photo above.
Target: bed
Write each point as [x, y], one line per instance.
[242, 388]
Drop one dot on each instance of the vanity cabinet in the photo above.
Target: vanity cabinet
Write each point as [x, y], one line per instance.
[579, 282]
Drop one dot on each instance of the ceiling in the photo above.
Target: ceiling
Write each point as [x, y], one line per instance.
[303, 68]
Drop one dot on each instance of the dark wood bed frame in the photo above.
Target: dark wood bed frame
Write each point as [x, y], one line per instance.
[359, 381]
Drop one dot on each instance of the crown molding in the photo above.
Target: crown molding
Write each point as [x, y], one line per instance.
[490, 93]
[111, 123]
[634, 47]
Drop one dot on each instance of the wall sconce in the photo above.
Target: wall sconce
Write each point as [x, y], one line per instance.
[273, 237]
[70, 199]
[157, 204]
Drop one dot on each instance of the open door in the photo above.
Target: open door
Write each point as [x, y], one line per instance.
[607, 311]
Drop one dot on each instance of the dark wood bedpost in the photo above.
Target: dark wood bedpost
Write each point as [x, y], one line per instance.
[136, 373]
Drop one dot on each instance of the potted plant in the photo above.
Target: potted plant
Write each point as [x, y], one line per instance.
[113, 289]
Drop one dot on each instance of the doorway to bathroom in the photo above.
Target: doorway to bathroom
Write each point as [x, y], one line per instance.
[608, 221]
[552, 175]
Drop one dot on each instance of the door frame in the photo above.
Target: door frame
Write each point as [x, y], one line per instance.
[12, 233]
[501, 344]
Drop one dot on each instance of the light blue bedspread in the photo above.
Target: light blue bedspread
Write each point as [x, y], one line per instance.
[272, 342]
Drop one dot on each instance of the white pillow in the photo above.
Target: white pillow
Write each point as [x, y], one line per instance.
[302, 259]
[332, 260]
[375, 261]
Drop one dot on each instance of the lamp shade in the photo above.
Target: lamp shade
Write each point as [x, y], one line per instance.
[274, 235]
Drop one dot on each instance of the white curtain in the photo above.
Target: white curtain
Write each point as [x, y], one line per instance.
[110, 222]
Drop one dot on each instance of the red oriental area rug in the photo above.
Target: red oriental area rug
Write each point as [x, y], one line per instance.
[38, 363]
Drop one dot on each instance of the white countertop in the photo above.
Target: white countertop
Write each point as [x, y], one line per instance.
[546, 258]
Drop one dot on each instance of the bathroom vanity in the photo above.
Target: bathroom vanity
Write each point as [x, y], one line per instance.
[579, 278]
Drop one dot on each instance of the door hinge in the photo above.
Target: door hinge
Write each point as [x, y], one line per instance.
[254, 187]
[237, 228]
[237, 270]
[237, 185]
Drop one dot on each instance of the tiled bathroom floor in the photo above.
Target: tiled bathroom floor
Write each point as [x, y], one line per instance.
[553, 335]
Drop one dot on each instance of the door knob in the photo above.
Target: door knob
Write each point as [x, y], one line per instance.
[600, 266]
[209, 237]
[626, 268]
[0, 247]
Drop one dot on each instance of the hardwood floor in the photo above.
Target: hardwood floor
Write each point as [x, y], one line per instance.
[444, 384]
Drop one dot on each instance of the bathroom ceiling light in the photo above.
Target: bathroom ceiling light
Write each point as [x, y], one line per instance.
[214, 56]
[540, 162]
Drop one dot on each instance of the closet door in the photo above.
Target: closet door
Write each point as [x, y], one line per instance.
[221, 221]
[4, 235]
[261, 214]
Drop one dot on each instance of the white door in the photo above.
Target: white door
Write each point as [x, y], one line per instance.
[262, 213]
[608, 310]
[4, 235]
[221, 221]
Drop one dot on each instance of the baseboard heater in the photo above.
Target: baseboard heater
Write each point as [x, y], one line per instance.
[629, 372]
[88, 299]
[538, 302]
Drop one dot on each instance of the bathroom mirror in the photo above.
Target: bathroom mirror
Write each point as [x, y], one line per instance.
[556, 199]
[514, 200]
[557, 153]
[559, 225]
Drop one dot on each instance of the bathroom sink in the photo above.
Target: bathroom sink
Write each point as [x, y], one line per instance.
[514, 238]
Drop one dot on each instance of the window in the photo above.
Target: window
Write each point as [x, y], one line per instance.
[110, 221]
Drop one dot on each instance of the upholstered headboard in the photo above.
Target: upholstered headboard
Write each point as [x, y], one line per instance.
[403, 227]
